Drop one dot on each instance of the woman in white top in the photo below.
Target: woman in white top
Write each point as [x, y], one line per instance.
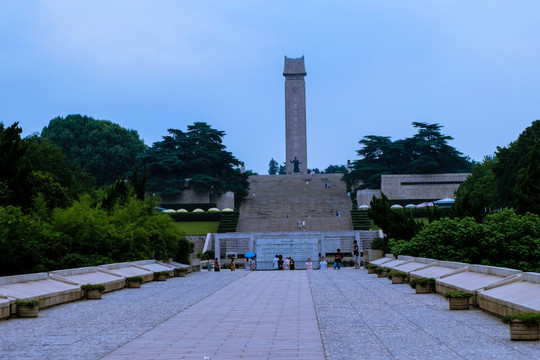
[286, 263]
[309, 264]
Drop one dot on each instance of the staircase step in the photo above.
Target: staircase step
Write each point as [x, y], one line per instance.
[277, 202]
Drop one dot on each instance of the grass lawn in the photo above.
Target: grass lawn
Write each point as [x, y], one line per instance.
[197, 227]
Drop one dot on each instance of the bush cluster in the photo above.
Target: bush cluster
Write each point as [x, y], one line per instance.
[85, 234]
[503, 239]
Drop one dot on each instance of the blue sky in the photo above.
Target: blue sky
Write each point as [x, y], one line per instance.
[373, 67]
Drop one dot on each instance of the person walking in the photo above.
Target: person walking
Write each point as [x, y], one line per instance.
[233, 265]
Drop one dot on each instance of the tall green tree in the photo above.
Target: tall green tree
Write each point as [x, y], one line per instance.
[46, 157]
[516, 169]
[197, 159]
[424, 153]
[478, 195]
[15, 169]
[507, 180]
[273, 167]
[99, 147]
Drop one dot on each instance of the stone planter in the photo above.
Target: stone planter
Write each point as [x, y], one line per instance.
[398, 280]
[161, 277]
[180, 273]
[458, 303]
[93, 294]
[423, 289]
[371, 271]
[134, 284]
[382, 274]
[521, 331]
[27, 311]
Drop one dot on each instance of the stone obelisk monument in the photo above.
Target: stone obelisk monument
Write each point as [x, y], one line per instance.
[295, 116]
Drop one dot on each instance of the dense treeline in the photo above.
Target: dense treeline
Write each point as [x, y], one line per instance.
[510, 179]
[503, 239]
[85, 234]
[479, 230]
[52, 217]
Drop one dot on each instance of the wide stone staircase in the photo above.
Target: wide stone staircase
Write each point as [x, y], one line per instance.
[277, 202]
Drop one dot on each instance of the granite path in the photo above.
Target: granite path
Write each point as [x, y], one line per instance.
[345, 314]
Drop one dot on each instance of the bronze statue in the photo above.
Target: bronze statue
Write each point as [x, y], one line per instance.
[296, 163]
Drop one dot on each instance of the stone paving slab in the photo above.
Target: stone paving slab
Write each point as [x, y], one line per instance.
[365, 317]
[332, 314]
[90, 329]
[266, 315]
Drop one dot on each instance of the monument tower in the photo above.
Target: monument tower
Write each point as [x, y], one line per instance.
[295, 116]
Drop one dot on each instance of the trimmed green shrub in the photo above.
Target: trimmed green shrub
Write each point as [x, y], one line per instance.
[27, 302]
[397, 274]
[457, 294]
[88, 287]
[422, 281]
[530, 318]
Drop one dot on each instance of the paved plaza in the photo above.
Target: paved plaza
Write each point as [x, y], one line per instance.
[345, 314]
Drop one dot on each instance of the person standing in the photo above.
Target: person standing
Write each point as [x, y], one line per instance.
[286, 264]
[275, 262]
[323, 264]
[233, 265]
[291, 263]
[309, 264]
[216, 265]
[280, 262]
[356, 253]
[337, 260]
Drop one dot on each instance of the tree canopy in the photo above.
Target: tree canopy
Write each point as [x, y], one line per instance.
[197, 158]
[101, 148]
[507, 180]
[427, 152]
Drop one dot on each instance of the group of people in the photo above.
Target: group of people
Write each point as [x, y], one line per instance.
[250, 265]
[280, 263]
[283, 264]
[323, 264]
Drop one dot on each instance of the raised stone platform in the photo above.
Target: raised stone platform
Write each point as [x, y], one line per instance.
[91, 275]
[38, 286]
[277, 202]
[129, 269]
[473, 278]
[154, 266]
[516, 295]
[437, 269]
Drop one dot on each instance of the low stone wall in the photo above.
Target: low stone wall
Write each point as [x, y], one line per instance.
[472, 279]
[92, 275]
[38, 286]
[4, 307]
[517, 294]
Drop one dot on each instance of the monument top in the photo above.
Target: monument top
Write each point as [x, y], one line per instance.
[294, 67]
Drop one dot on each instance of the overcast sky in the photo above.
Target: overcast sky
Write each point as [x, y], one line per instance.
[373, 68]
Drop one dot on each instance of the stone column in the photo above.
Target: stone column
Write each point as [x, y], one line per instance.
[295, 116]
